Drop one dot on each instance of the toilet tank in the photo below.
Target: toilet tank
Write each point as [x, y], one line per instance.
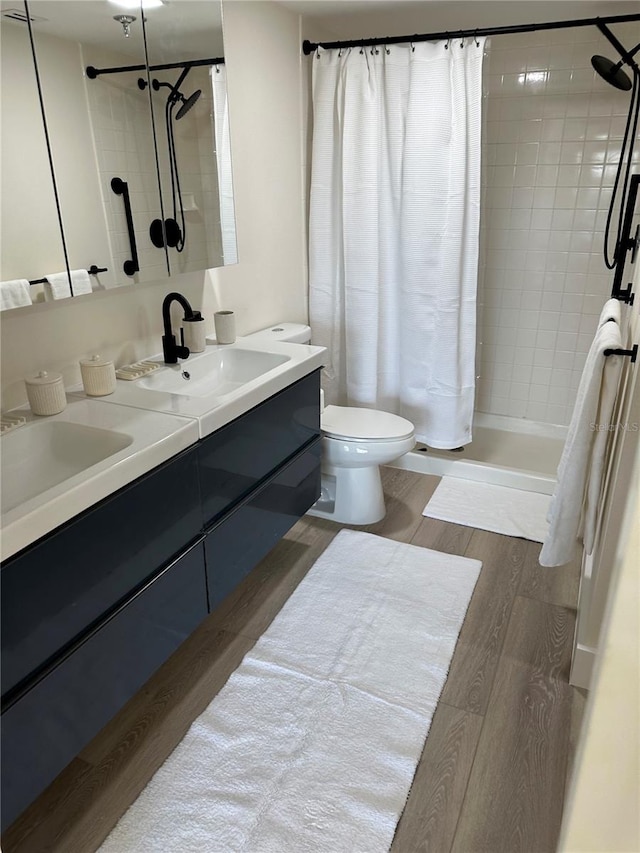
[293, 333]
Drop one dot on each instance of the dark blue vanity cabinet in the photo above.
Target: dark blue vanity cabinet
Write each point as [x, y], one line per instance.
[239, 457]
[90, 611]
[241, 539]
[71, 579]
[63, 710]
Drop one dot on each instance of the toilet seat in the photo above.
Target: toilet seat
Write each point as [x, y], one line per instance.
[357, 424]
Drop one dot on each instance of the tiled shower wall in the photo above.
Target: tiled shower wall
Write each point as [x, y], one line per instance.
[195, 151]
[552, 136]
[123, 139]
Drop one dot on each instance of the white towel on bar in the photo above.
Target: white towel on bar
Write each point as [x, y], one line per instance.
[601, 447]
[595, 399]
[56, 285]
[15, 294]
[611, 311]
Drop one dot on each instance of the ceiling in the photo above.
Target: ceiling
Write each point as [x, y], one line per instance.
[180, 29]
[347, 19]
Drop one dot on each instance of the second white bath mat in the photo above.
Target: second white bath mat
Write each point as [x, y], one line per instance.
[500, 509]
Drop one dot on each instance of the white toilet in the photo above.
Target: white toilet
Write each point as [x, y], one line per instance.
[355, 442]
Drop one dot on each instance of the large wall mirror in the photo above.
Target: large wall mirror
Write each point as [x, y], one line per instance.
[129, 176]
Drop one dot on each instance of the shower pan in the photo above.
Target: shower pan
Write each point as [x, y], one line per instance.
[505, 451]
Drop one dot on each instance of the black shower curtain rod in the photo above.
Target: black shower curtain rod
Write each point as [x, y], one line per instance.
[309, 46]
[92, 72]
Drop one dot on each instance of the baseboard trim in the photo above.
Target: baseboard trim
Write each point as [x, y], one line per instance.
[584, 658]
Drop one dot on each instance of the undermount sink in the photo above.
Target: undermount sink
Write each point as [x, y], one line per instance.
[217, 373]
[43, 454]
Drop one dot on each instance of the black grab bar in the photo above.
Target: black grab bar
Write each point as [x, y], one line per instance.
[121, 187]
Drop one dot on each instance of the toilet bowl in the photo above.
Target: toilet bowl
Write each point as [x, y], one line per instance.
[355, 442]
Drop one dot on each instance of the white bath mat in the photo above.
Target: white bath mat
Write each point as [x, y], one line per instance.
[313, 742]
[500, 509]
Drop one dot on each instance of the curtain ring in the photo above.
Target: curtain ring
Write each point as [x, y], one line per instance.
[475, 38]
[318, 52]
[387, 50]
[340, 53]
[413, 47]
[446, 47]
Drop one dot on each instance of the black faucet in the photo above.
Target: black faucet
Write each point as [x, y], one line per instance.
[172, 350]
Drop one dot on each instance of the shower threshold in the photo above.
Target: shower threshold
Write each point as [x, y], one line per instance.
[505, 451]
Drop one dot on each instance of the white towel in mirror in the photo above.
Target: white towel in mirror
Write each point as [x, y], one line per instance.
[15, 294]
[56, 285]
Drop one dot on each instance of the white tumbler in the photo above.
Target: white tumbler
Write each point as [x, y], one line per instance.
[225, 324]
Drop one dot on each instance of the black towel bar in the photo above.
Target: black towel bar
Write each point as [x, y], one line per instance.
[93, 270]
[632, 353]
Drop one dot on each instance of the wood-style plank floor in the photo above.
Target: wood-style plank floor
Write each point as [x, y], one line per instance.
[493, 771]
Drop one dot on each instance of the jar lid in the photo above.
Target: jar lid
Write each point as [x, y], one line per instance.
[95, 361]
[43, 378]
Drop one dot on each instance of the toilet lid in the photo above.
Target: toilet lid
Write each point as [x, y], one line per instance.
[364, 424]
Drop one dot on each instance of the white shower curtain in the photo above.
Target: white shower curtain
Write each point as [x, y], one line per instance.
[393, 236]
[223, 161]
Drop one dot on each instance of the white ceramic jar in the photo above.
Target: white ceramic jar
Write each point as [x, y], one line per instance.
[45, 393]
[98, 376]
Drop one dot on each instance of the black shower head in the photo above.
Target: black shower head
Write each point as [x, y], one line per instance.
[176, 95]
[187, 103]
[611, 72]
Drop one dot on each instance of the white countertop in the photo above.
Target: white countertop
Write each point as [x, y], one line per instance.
[155, 438]
[212, 412]
[155, 424]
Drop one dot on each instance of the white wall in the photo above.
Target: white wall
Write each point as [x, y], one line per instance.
[262, 50]
[263, 54]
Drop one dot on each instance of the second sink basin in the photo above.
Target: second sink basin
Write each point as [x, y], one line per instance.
[43, 454]
[219, 372]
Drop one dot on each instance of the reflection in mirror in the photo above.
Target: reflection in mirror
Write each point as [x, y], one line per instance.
[101, 129]
[188, 79]
[30, 233]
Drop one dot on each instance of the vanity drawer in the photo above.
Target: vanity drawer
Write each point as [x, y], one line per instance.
[63, 584]
[235, 545]
[237, 457]
[48, 725]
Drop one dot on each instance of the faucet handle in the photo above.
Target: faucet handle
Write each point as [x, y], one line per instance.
[182, 351]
